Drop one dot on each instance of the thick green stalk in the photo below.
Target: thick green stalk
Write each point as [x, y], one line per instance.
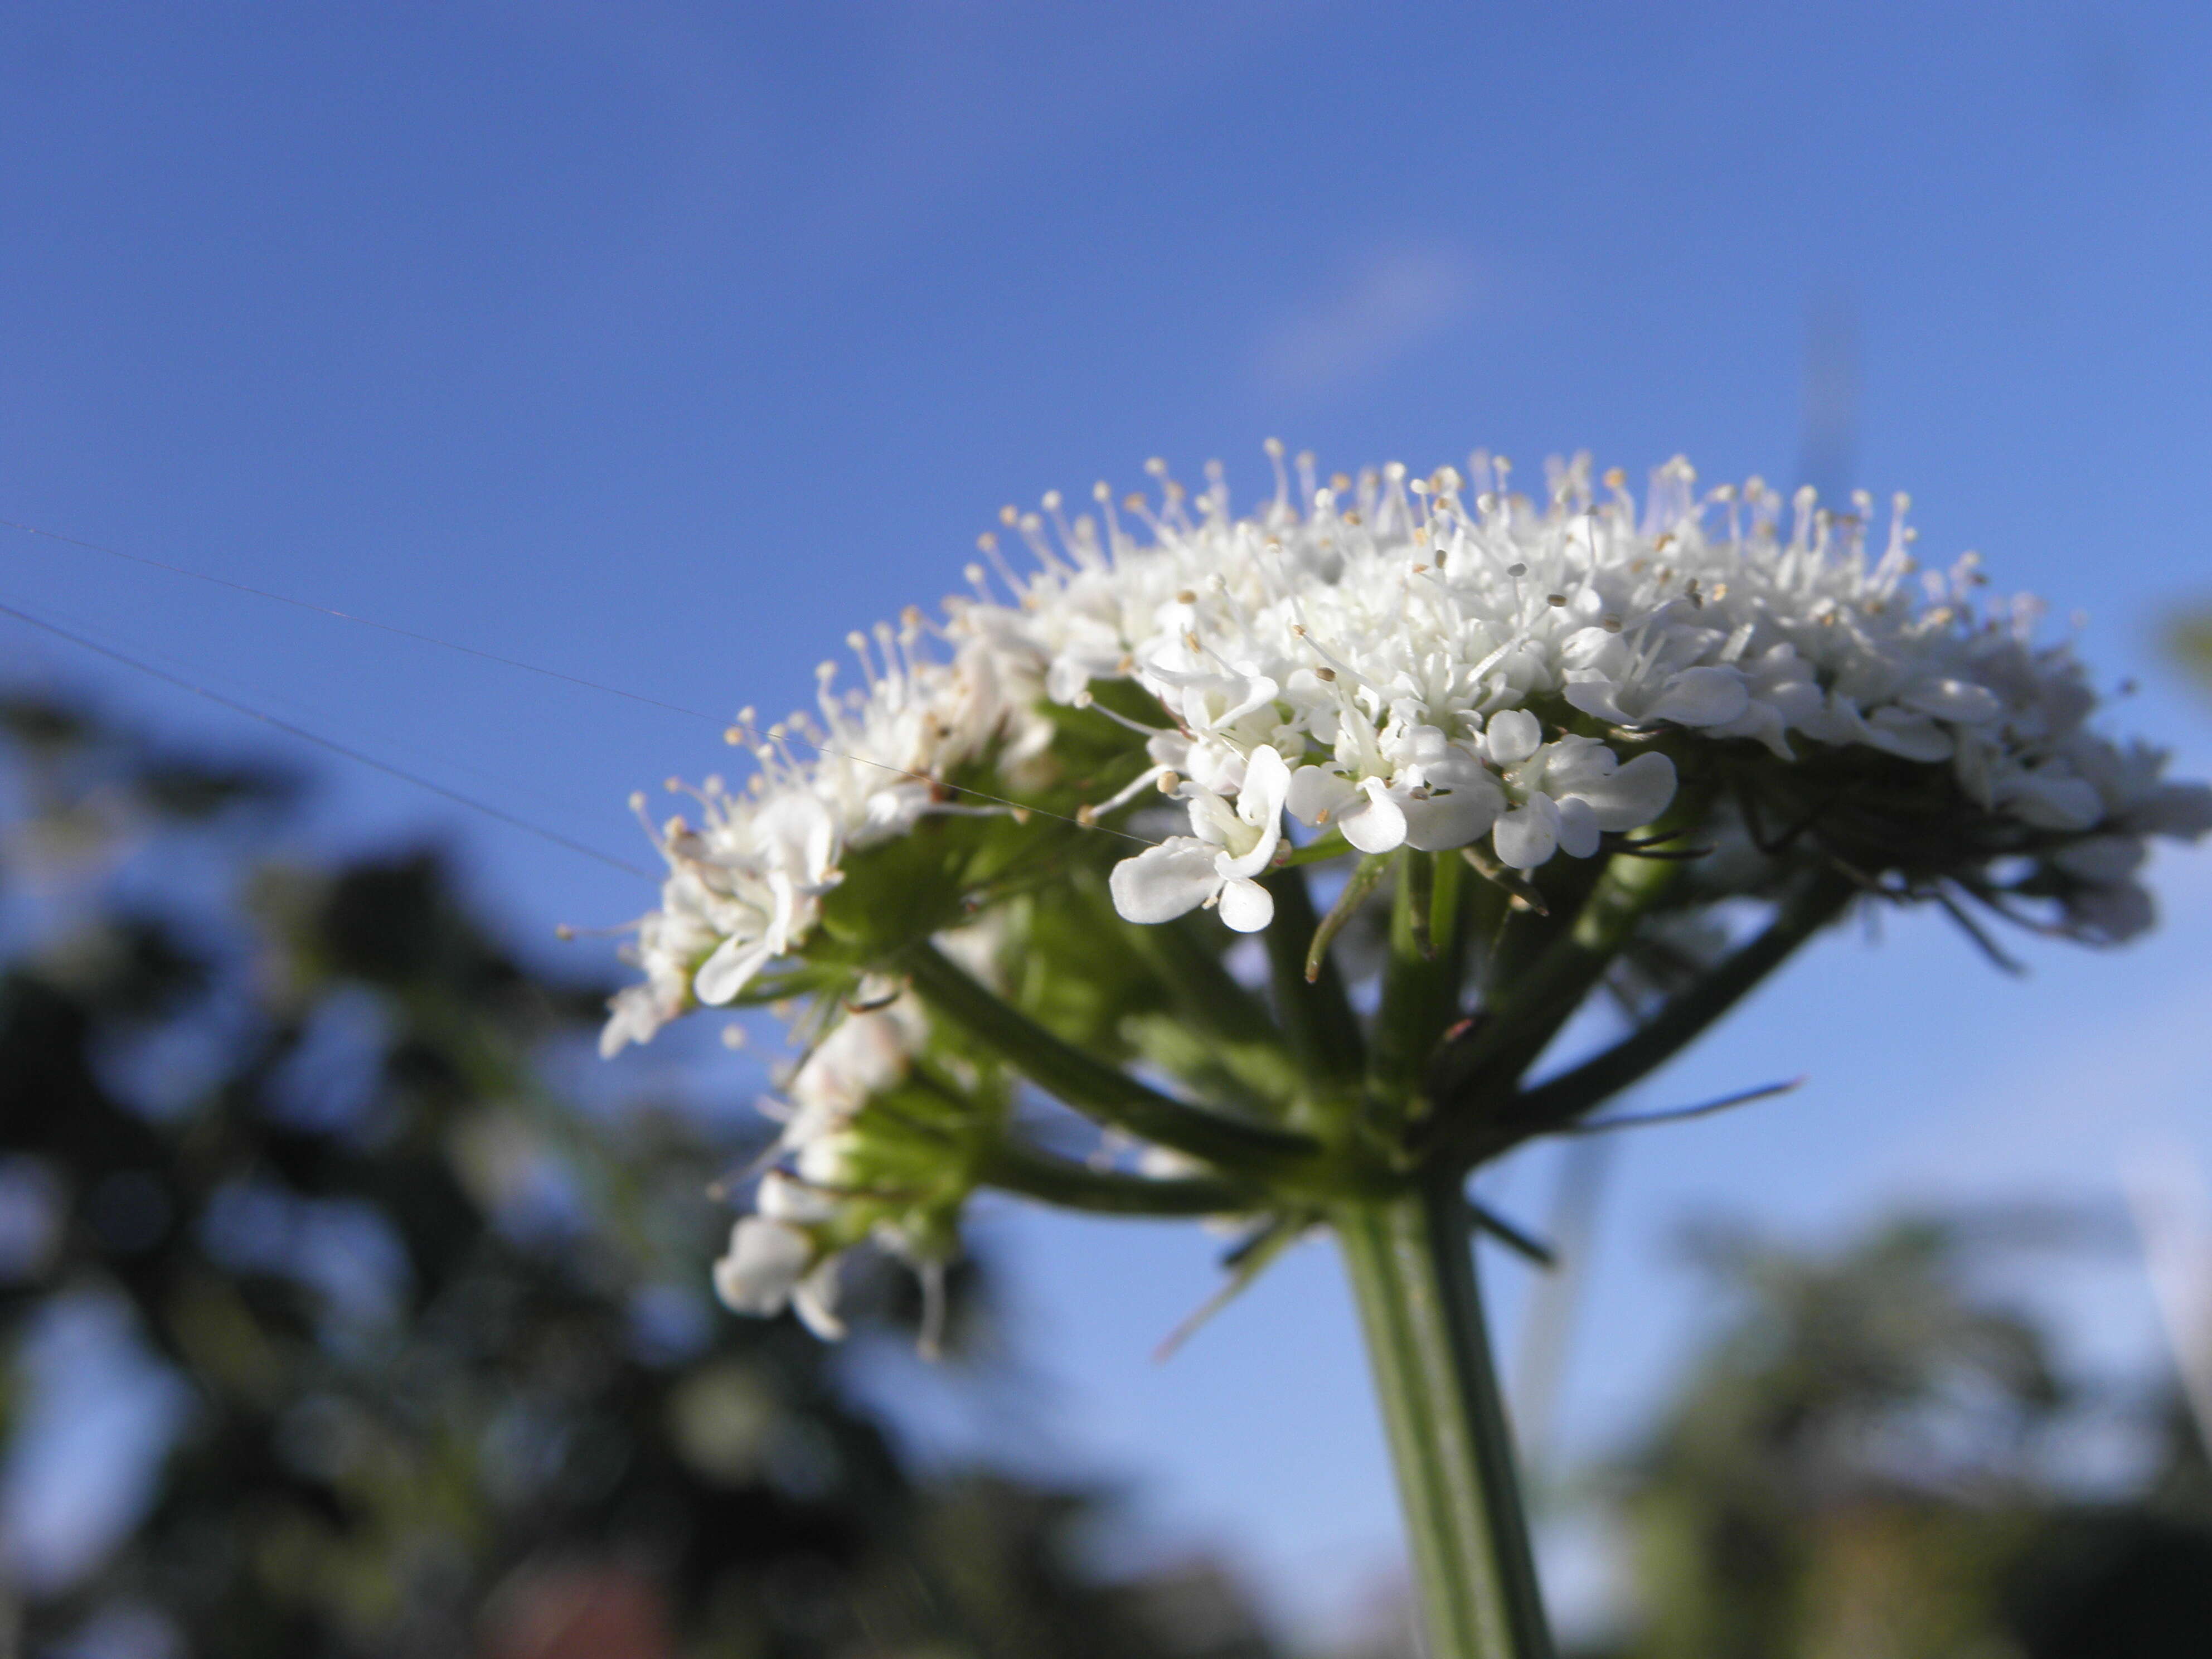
[1017, 1169]
[1421, 977]
[1529, 1013]
[1412, 1266]
[1092, 1087]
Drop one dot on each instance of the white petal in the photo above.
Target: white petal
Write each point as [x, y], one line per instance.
[1913, 736]
[726, 973]
[802, 838]
[1246, 906]
[1255, 861]
[1067, 676]
[2183, 811]
[1526, 836]
[782, 1198]
[2050, 802]
[1251, 693]
[1260, 807]
[1215, 765]
[1164, 882]
[1595, 695]
[1629, 797]
[1314, 790]
[1512, 736]
[634, 1015]
[2105, 860]
[1701, 696]
[1170, 749]
[1760, 720]
[1578, 830]
[2110, 916]
[1798, 701]
[1451, 820]
[1267, 781]
[815, 1301]
[1378, 826]
[1962, 700]
[765, 1263]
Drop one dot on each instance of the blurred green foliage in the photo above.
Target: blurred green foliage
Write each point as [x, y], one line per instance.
[1863, 1465]
[439, 1370]
[2189, 641]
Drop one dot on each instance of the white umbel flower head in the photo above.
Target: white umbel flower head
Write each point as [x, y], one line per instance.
[1410, 663]
[1383, 665]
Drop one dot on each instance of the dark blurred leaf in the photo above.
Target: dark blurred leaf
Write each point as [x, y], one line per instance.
[42, 725]
[191, 791]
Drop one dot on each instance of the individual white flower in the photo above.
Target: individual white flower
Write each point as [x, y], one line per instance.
[1614, 684]
[1569, 792]
[774, 1261]
[1436, 796]
[670, 941]
[1369, 813]
[793, 851]
[864, 1055]
[1234, 842]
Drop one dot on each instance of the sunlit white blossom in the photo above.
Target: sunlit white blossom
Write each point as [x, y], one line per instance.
[774, 1261]
[1232, 842]
[1425, 664]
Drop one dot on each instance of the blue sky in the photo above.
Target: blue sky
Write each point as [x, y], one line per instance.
[661, 344]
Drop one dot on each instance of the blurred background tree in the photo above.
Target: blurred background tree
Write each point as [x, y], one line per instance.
[335, 1327]
[1868, 1461]
[2189, 641]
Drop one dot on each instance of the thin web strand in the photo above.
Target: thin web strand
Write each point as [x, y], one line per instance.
[499, 814]
[980, 794]
[490, 657]
[364, 622]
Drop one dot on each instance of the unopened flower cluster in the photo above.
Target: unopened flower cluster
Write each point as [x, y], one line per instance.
[1429, 663]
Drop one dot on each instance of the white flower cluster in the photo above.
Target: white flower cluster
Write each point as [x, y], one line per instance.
[744, 885]
[1399, 661]
[1371, 663]
[777, 1255]
[1382, 657]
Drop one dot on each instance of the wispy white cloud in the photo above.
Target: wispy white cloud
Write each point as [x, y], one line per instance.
[1379, 310]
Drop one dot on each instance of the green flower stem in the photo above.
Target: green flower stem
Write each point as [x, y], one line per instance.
[1552, 897]
[1412, 1267]
[1421, 977]
[1204, 992]
[1551, 1106]
[1365, 876]
[1032, 1174]
[1530, 1011]
[1321, 848]
[1316, 1015]
[1098, 1090]
[1570, 1095]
